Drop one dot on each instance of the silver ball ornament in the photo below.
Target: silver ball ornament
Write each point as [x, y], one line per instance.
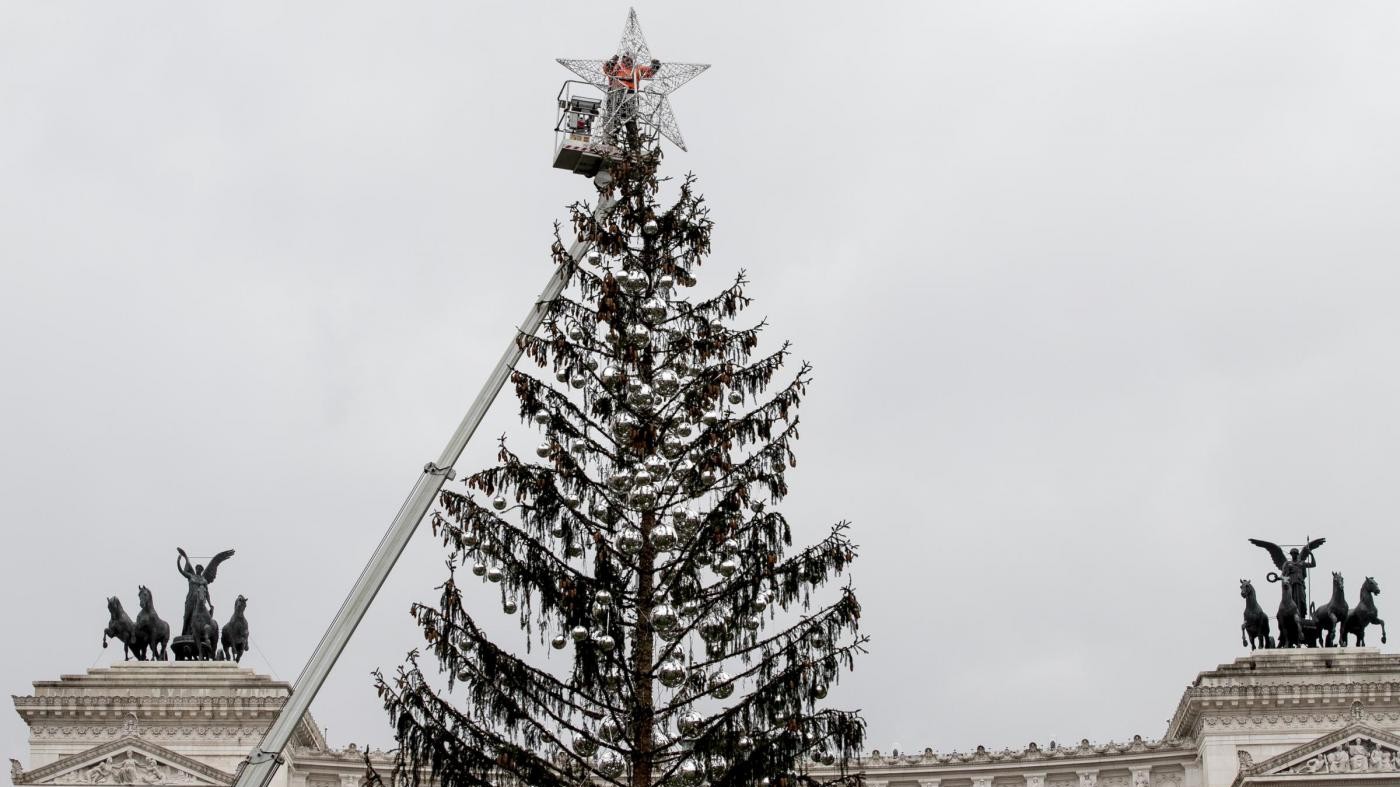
[671, 674]
[663, 617]
[543, 450]
[611, 764]
[687, 774]
[735, 397]
[499, 503]
[585, 746]
[629, 541]
[663, 537]
[690, 724]
[495, 574]
[720, 685]
[479, 569]
[604, 642]
[667, 382]
[559, 642]
[654, 309]
[510, 606]
[643, 496]
[713, 629]
[727, 567]
[578, 633]
[651, 227]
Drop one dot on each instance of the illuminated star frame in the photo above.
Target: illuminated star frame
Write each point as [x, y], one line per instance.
[652, 104]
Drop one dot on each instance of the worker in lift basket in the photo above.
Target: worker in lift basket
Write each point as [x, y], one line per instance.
[623, 74]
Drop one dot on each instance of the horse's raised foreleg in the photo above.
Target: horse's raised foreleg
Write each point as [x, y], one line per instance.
[1382, 624]
[1244, 636]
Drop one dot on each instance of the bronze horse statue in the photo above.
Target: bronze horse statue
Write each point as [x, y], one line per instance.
[203, 628]
[1363, 614]
[1254, 632]
[1290, 618]
[151, 631]
[235, 637]
[1334, 615]
[119, 627]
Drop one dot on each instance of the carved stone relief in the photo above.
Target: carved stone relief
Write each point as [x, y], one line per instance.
[128, 768]
[1358, 755]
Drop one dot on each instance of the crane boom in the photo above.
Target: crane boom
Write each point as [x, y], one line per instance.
[260, 766]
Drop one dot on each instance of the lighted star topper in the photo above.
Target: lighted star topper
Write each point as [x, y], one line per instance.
[652, 104]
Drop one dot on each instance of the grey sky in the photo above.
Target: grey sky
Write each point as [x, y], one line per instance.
[1094, 292]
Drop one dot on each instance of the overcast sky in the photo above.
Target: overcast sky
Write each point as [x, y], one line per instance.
[1094, 291]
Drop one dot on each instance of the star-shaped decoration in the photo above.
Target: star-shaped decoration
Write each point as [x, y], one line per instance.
[652, 103]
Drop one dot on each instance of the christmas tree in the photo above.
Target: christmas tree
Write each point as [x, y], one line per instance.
[641, 538]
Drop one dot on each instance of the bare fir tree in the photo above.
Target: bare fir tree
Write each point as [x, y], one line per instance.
[642, 539]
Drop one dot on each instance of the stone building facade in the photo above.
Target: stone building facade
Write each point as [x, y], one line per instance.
[178, 723]
[1325, 717]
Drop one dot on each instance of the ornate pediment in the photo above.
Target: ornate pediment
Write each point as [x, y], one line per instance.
[126, 761]
[1355, 749]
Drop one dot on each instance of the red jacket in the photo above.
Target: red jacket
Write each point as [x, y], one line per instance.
[626, 76]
